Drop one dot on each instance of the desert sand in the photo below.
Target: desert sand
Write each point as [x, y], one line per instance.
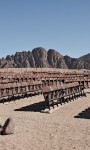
[66, 128]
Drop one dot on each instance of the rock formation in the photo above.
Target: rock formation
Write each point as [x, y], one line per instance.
[39, 57]
[78, 63]
[8, 127]
[56, 60]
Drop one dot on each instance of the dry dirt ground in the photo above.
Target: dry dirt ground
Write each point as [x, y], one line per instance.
[67, 128]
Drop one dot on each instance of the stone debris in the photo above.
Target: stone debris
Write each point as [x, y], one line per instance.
[8, 127]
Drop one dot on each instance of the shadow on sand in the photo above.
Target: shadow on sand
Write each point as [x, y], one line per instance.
[36, 107]
[87, 92]
[84, 114]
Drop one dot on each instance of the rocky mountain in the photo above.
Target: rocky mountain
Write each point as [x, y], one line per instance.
[82, 62]
[56, 60]
[39, 57]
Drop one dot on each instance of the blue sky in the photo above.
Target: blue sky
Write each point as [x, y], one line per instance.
[63, 25]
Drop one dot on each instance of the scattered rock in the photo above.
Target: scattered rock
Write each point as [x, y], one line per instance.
[0, 130]
[1, 126]
[8, 127]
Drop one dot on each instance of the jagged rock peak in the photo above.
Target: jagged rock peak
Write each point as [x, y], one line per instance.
[39, 57]
[55, 59]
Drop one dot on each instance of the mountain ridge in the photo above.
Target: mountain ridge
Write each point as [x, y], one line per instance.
[39, 57]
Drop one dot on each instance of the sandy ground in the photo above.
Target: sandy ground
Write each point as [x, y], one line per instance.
[18, 70]
[67, 128]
